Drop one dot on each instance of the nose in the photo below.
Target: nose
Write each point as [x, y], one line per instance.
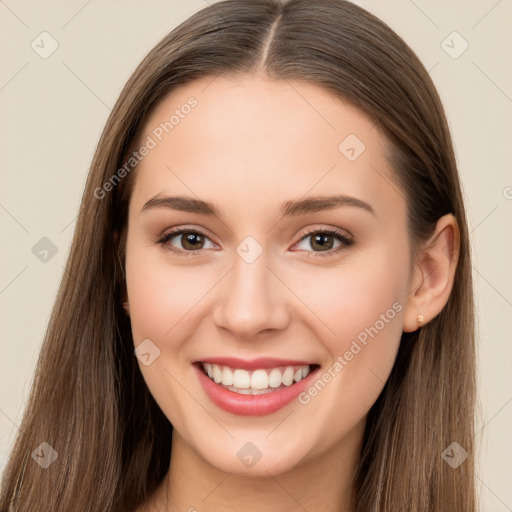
[252, 300]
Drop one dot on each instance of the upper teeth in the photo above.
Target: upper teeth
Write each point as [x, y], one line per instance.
[255, 379]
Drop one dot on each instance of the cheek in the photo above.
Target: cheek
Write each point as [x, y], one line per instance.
[363, 305]
[362, 299]
[161, 305]
[368, 327]
[161, 297]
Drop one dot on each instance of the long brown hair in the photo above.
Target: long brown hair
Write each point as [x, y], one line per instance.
[88, 399]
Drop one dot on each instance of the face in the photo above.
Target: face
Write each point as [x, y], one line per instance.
[289, 284]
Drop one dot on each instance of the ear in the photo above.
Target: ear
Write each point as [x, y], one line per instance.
[433, 273]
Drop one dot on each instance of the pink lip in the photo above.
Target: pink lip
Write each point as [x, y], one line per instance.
[254, 364]
[252, 405]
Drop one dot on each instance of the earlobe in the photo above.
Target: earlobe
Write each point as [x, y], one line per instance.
[433, 274]
[126, 307]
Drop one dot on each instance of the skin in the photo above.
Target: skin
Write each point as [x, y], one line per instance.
[248, 146]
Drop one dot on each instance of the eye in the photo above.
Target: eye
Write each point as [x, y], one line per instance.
[324, 240]
[191, 240]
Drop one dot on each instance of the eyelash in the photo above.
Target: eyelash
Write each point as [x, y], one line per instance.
[346, 241]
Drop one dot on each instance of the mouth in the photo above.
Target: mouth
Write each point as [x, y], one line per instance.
[254, 388]
[255, 382]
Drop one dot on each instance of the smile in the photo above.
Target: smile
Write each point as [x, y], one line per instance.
[253, 388]
[255, 382]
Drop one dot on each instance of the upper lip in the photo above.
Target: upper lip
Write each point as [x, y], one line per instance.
[254, 364]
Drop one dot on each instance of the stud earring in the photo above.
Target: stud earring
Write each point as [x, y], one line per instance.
[421, 320]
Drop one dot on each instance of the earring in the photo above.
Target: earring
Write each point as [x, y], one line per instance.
[421, 320]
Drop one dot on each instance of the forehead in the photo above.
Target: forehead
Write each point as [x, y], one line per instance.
[250, 141]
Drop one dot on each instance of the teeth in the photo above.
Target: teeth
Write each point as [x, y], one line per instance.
[217, 373]
[288, 376]
[256, 382]
[241, 379]
[274, 378]
[250, 391]
[227, 376]
[259, 380]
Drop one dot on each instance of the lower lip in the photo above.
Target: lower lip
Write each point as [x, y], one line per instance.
[252, 405]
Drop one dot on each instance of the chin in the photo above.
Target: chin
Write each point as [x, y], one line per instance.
[256, 454]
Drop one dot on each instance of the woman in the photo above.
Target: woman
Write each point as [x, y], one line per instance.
[268, 299]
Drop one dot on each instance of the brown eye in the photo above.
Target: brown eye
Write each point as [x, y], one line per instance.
[322, 241]
[187, 241]
[192, 241]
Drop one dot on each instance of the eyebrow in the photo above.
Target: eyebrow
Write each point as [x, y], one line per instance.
[289, 208]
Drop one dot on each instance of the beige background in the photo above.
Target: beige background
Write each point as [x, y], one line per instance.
[53, 111]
